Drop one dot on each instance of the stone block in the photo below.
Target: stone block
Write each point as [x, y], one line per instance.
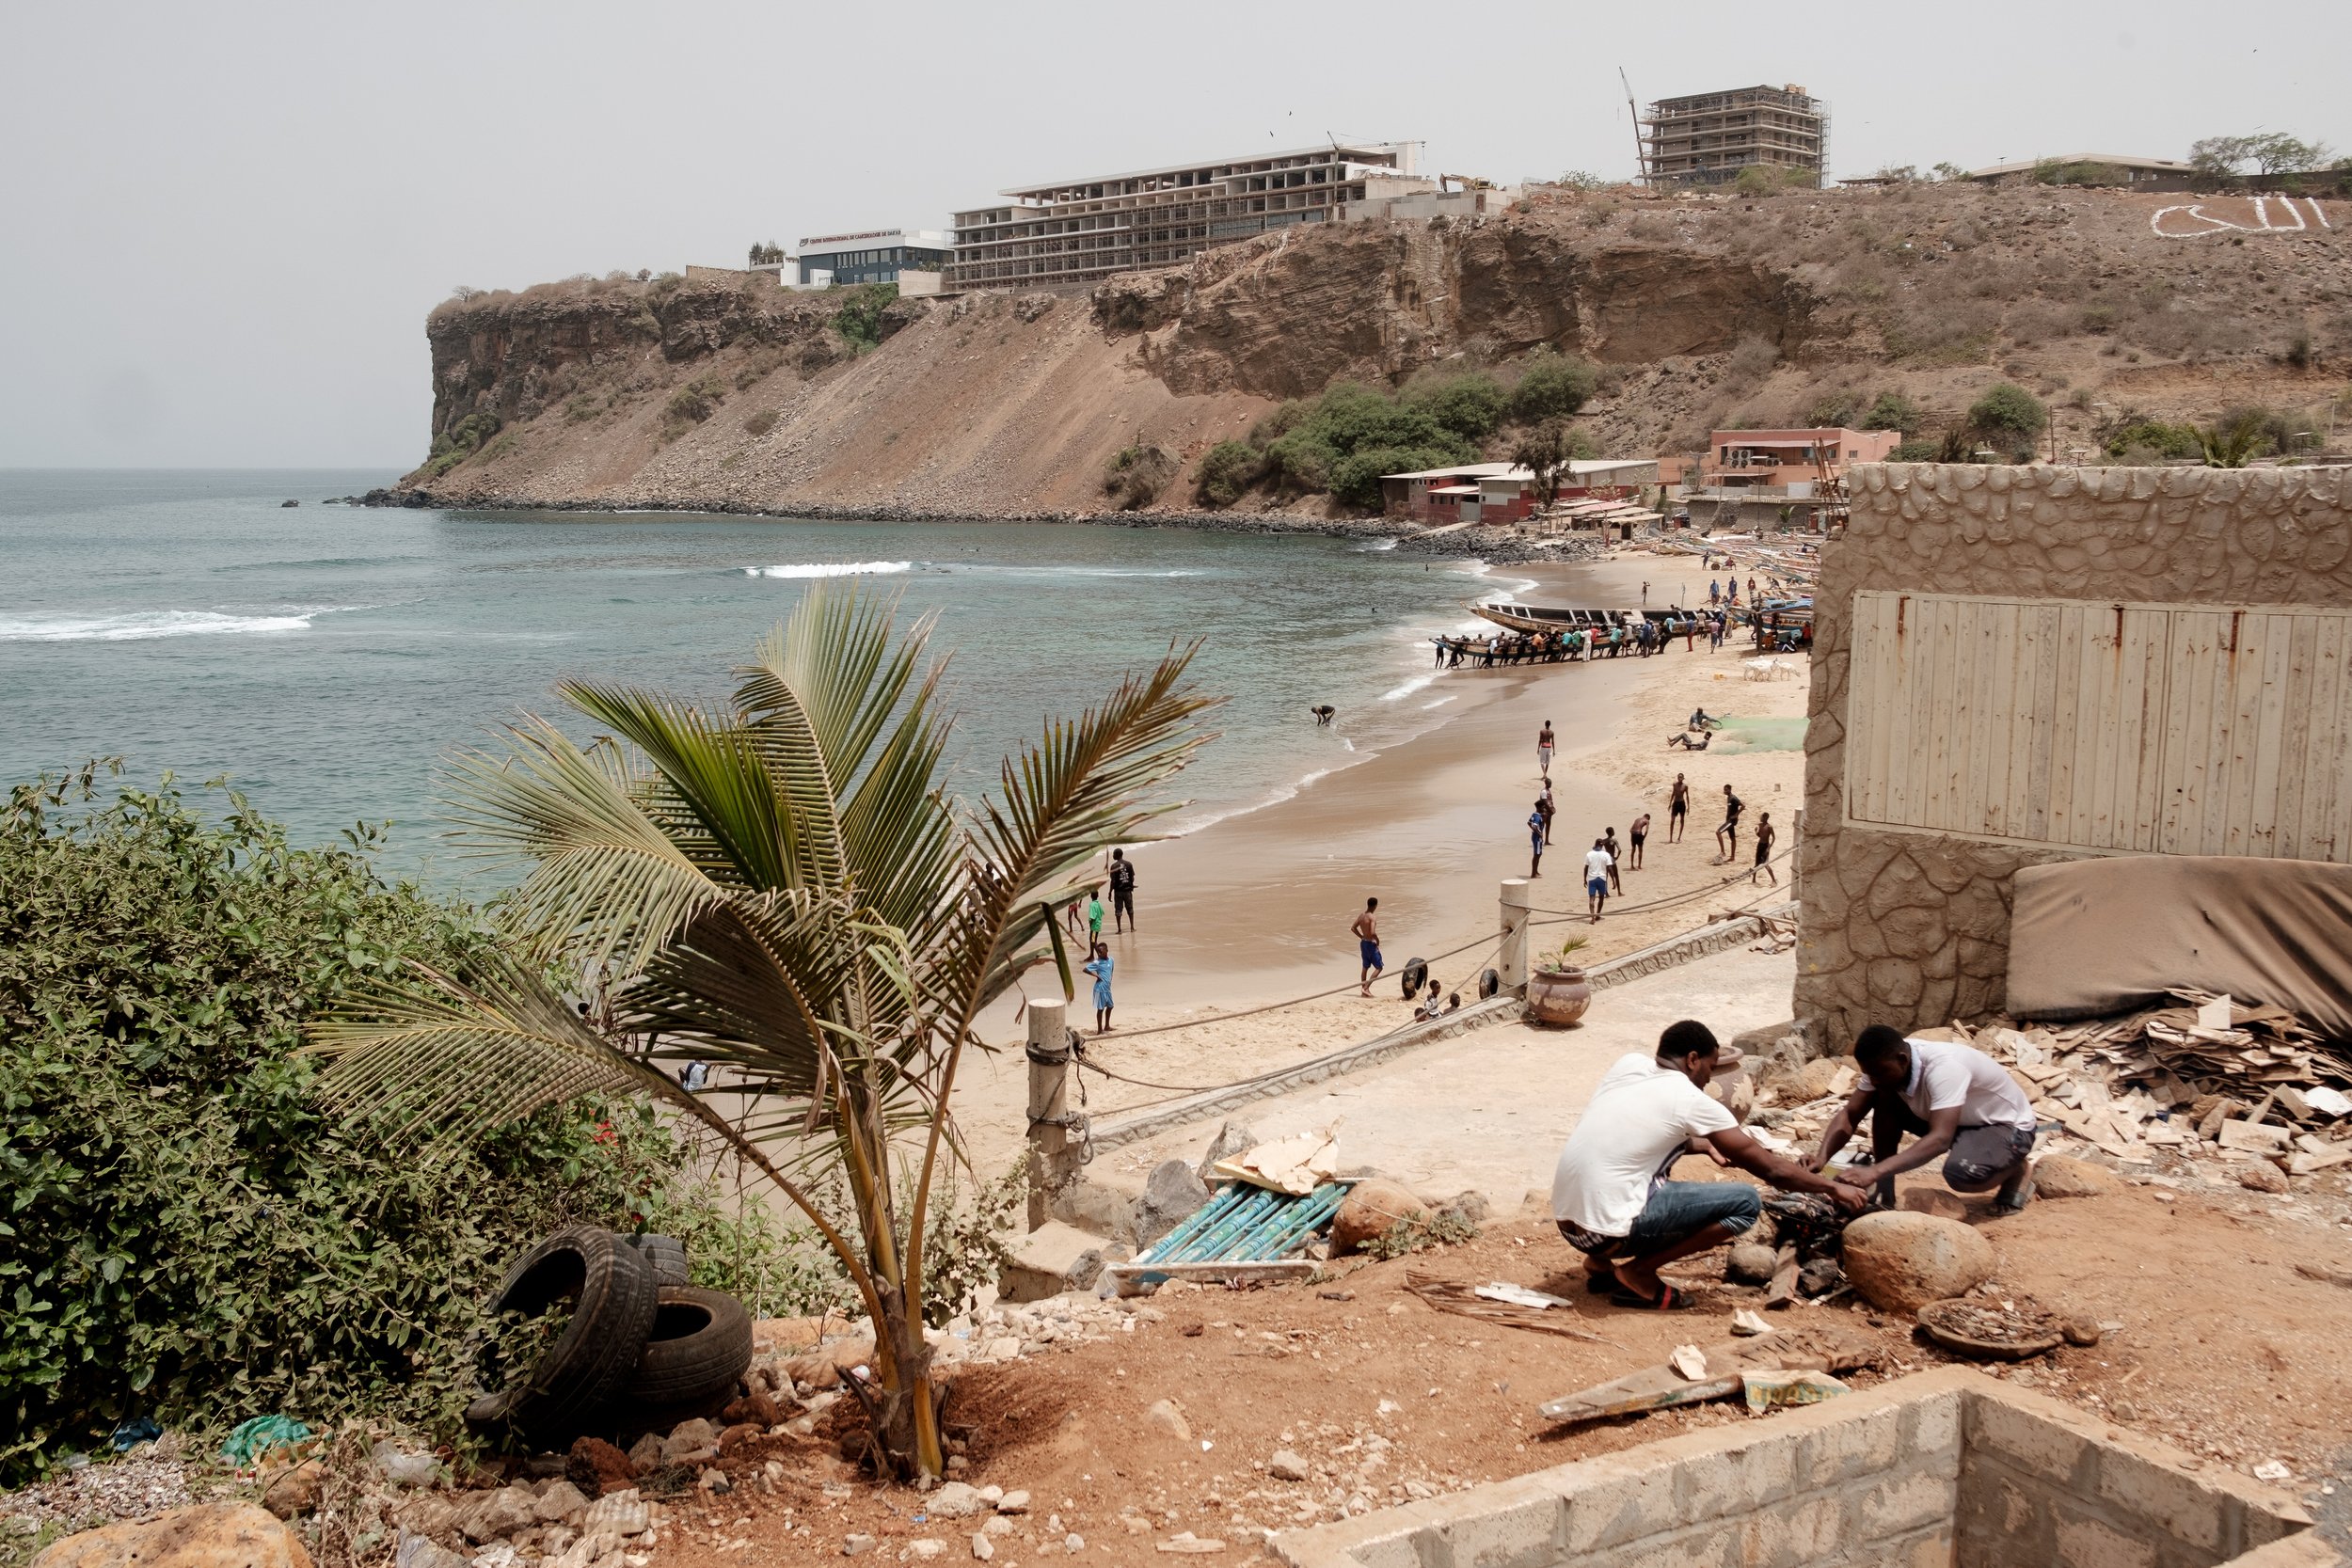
[2085, 1540]
[1047, 1262]
[2167, 1500]
[2034, 1445]
[1840, 1451]
[1904, 1501]
[1519, 1533]
[1625, 1502]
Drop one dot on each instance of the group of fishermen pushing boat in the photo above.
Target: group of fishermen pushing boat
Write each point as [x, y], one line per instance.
[1576, 645]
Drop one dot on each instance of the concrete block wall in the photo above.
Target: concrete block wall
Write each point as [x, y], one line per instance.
[2042, 1483]
[1870, 1481]
[1912, 928]
[1942, 1469]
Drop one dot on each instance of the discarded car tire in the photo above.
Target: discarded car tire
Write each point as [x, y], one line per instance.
[667, 1255]
[612, 1288]
[697, 1350]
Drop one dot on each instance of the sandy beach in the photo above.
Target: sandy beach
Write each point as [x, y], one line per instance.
[1255, 910]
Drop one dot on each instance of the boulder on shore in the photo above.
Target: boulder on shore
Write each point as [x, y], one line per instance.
[206, 1535]
[1174, 1193]
[1901, 1261]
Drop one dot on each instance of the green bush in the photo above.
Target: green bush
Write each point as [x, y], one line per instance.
[1893, 411]
[1230, 469]
[1470, 405]
[1551, 385]
[1916, 451]
[2153, 437]
[697, 400]
[1355, 478]
[859, 317]
[761, 423]
[1840, 408]
[459, 442]
[2007, 417]
[184, 1233]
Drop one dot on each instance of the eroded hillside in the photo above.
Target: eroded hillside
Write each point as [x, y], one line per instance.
[1700, 311]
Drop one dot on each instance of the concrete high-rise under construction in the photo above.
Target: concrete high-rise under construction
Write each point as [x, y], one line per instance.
[1708, 139]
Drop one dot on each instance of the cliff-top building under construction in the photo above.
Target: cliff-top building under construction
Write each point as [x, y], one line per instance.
[1078, 230]
[1708, 137]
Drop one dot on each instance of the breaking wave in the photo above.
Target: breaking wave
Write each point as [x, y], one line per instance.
[830, 569]
[150, 623]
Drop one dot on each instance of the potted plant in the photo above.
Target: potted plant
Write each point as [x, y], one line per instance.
[1557, 992]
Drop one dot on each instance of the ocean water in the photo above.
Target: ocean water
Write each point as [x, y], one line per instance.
[326, 658]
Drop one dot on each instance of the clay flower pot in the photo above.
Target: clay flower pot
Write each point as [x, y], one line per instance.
[1558, 997]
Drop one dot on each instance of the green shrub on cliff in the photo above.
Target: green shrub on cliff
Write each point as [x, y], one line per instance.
[183, 1235]
[1551, 385]
[859, 318]
[459, 442]
[1227, 472]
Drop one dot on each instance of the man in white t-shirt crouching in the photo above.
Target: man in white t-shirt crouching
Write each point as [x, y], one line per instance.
[1611, 1196]
[1962, 1104]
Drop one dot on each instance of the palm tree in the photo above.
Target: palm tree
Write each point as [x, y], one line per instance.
[786, 889]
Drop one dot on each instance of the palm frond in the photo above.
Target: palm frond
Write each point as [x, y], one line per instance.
[598, 875]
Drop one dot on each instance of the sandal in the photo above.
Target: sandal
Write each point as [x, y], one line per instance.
[1667, 1300]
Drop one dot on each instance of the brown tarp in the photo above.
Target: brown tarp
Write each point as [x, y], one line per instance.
[2101, 936]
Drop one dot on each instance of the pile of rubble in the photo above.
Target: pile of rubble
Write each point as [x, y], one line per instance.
[2202, 1079]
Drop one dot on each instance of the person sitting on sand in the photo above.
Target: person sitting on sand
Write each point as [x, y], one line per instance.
[1699, 720]
[1612, 1196]
[1682, 738]
[1962, 1104]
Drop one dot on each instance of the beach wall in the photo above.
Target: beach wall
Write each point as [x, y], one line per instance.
[2020, 665]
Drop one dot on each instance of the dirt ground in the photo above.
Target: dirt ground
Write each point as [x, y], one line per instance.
[2213, 1342]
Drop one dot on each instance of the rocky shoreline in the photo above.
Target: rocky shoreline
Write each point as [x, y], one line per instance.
[1497, 545]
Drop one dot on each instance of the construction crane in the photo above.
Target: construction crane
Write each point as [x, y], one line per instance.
[1641, 148]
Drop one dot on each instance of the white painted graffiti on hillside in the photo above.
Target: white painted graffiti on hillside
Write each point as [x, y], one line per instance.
[2239, 214]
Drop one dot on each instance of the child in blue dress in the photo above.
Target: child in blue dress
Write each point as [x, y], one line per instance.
[1100, 967]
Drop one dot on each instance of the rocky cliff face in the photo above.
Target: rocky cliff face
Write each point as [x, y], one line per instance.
[1701, 312]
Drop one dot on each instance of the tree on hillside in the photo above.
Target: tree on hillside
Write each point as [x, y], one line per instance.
[2271, 152]
[2009, 417]
[784, 888]
[1545, 452]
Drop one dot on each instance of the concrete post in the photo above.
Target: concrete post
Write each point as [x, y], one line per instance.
[1796, 849]
[1512, 965]
[1049, 1094]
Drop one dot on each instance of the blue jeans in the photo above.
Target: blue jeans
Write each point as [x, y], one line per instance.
[1677, 1211]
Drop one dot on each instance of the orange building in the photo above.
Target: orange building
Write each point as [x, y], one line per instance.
[1791, 461]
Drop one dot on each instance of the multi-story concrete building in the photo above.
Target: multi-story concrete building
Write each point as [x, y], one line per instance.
[1708, 137]
[1078, 230]
[874, 256]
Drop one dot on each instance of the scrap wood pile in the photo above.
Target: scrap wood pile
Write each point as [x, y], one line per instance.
[2203, 1076]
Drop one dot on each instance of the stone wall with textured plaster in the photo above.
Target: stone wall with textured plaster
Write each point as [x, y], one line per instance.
[1912, 928]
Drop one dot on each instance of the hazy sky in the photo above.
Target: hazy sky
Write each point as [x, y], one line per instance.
[221, 224]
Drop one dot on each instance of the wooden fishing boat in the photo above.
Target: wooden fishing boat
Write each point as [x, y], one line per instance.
[1543, 617]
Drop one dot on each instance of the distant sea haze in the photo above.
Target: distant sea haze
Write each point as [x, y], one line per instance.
[326, 659]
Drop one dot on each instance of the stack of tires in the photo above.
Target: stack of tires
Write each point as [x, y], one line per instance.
[643, 1350]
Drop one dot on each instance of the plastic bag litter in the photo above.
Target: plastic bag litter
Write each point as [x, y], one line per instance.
[1772, 1391]
[251, 1439]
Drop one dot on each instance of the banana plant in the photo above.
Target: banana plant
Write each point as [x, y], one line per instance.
[782, 888]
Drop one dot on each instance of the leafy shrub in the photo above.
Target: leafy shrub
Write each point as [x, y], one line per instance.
[697, 400]
[1916, 451]
[1227, 472]
[1752, 359]
[859, 318]
[1551, 385]
[459, 442]
[1893, 411]
[761, 423]
[1469, 405]
[2133, 434]
[2007, 417]
[1135, 475]
[581, 409]
[186, 1235]
[1840, 409]
[1355, 478]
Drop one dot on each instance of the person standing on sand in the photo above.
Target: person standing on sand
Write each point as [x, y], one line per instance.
[1636, 835]
[1367, 929]
[1646, 594]
[1543, 749]
[1764, 836]
[1094, 919]
[1597, 867]
[1535, 841]
[1100, 967]
[1727, 836]
[1123, 876]
[1543, 805]
[1609, 842]
[1678, 809]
